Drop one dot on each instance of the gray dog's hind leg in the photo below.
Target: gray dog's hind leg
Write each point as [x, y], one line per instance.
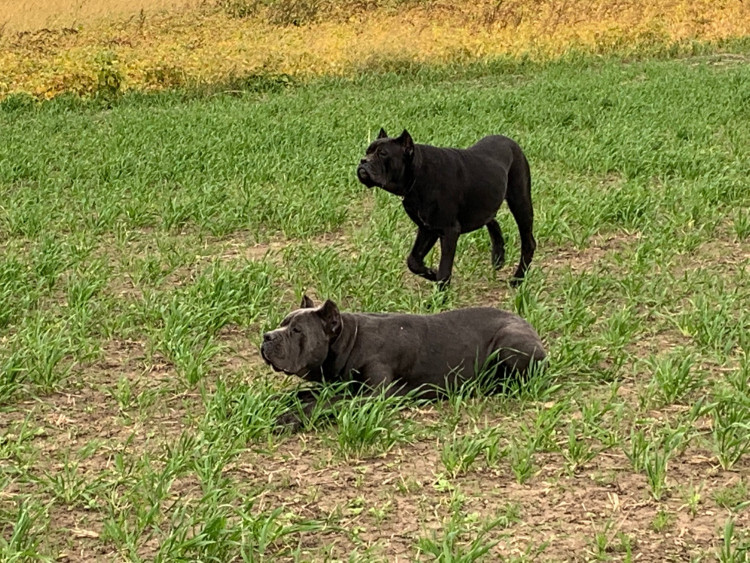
[498, 244]
[519, 202]
[518, 346]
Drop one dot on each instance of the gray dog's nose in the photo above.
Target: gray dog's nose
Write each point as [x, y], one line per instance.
[267, 337]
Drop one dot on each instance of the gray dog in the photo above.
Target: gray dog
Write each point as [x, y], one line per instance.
[398, 353]
[447, 192]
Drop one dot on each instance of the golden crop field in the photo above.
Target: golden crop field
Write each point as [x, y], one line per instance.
[33, 15]
[68, 45]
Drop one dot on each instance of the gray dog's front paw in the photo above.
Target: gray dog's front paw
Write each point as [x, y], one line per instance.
[288, 422]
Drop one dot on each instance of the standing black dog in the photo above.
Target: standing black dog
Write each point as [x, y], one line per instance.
[447, 192]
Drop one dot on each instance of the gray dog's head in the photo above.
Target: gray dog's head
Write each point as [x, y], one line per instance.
[300, 345]
[387, 163]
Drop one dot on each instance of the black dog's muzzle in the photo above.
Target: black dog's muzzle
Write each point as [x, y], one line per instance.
[363, 175]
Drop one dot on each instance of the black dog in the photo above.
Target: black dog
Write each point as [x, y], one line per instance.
[447, 192]
[398, 353]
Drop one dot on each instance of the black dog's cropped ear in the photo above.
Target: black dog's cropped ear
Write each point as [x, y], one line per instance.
[307, 303]
[382, 134]
[408, 143]
[331, 317]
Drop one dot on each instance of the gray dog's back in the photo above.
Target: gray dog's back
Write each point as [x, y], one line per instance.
[425, 348]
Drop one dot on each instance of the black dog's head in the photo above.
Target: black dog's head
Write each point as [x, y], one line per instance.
[388, 162]
[301, 343]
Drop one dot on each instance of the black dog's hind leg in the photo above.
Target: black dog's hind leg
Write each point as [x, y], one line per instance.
[498, 244]
[448, 242]
[422, 245]
[518, 197]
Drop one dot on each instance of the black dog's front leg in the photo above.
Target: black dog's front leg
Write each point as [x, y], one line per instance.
[422, 245]
[448, 242]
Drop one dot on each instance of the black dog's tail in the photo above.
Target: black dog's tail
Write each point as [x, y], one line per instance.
[518, 197]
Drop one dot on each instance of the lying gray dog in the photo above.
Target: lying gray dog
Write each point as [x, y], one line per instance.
[398, 353]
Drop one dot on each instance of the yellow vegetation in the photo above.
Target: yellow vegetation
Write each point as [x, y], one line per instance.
[167, 44]
[32, 15]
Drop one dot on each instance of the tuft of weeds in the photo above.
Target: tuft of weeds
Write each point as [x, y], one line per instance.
[538, 385]
[244, 413]
[239, 8]
[731, 429]
[460, 540]
[12, 375]
[521, 458]
[735, 544]
[601, 542]
[29, 524]
[371, 425]
[651, 454]
[636, 450]
[693, 498]
[741, 223]
[70, 486]
[190, 352]
[673, 376]
[461, 452]
[577, 451]
[662, 520]
[657, 455]
[45, 350]
[734, 497]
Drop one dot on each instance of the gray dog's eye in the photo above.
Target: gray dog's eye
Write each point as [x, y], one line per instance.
[295, 330]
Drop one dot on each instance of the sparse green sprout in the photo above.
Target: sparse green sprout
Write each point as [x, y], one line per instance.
[731, 430]
[662, 520]
[735, 547]
[460, 452]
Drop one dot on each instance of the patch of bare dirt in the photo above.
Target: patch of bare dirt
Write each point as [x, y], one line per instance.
[558, 509]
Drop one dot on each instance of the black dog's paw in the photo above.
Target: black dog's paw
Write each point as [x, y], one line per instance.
[288, 422]
[498, 260]
[515, 282]
[428, 273]
[443, 285]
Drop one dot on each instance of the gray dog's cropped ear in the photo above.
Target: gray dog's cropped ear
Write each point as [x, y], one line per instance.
[408, 143]
[382, 134]
[331, 317]
[307, 303]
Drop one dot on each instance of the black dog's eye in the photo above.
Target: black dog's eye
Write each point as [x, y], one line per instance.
[382, 152]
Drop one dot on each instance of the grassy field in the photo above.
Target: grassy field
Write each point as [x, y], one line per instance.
[145, 243]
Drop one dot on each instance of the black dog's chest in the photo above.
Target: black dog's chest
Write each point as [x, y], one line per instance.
[423, 213]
